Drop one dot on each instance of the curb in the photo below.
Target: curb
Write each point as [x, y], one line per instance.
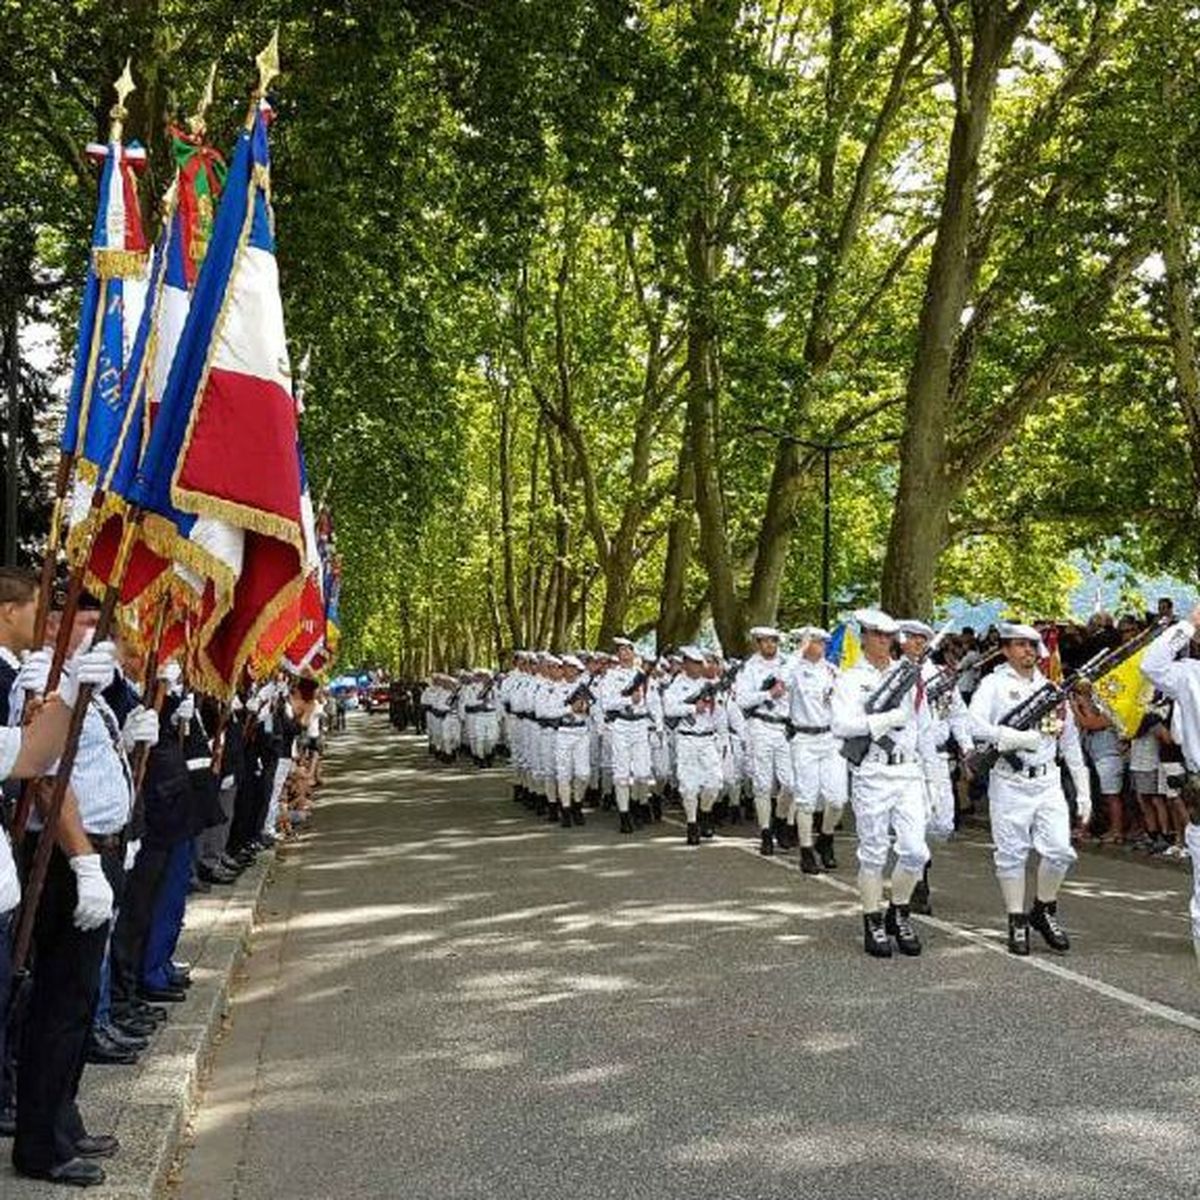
[147, 1106]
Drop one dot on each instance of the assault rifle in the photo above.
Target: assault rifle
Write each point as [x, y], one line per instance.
[637, 683]
[712, 688]
[582, 691]
[940, 684]
[1030, 713]
[890, 693]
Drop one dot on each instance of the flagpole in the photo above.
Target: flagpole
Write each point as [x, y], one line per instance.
[66, 764]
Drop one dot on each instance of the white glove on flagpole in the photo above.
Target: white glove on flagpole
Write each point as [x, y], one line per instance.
[96, 666]
[185, 712]
[95, 903]
[140, 726]
[34, 671]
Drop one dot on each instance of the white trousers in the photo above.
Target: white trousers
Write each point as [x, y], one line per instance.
[572, 755]
[451, 733]
[770, 759]
[483, 731]
[890, 800]
[630, 752]
[698, 763]
[283, 768]
[1192, 837]
[545, 752]
[820, 774]
[1029, 814]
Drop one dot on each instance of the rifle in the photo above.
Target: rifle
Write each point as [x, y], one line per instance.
[712, 688]
[637, 683]
[1036, 706]
[937, 687]
[582, 691]
[890, 693]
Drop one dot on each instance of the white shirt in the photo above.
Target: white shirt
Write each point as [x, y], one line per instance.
[748, 687]
[810, 692]
[612, 699]
[1181, 681]
[677, 702]
[854, 688]
[10, 886]
[999, 693]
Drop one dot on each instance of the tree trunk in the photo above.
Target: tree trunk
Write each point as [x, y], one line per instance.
[1179, 303]
[511, 611]
[920, 520]
[669, 632]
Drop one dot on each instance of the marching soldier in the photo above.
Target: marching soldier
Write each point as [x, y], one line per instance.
[1028, 808]
[572, 739]
[888, 790]
[1179, 679]
[690, 700]
[950, 720]
[627, 723]
[761, 692]
[818, 769]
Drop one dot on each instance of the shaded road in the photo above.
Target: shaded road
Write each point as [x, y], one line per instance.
[449, 1001]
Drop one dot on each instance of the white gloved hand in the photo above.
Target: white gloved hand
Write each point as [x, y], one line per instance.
[1083, 791]
[131, 853]
[140, 726]
[1008, 739]
[95, 904]
[185, 711]
[170, 673]
[34, 672]
[96, 666]
[884, 722]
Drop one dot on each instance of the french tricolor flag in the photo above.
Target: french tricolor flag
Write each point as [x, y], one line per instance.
[223, 444]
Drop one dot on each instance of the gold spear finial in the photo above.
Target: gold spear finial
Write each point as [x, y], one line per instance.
[118, 112]
[196, 122]
[268, 62]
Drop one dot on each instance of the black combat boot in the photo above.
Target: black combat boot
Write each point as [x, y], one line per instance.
[767, 848]
[539, 804]
[706, 824]
[693, 833]
[786, 835]
[577, 813]
[875, 938]
[808, 861]
[656, 807]
[1018, 934]
[825, 850]
[1044, 918]
[626, 823]
[921, 902]
[899, 926]
[552, 812]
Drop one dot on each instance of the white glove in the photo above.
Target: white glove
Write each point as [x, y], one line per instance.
[34, 672]
[95, 904]
[1083, 791]
[131, 853]
[140, 726]
[185, 712]
[1008, 739]
[96, 666]
[170, 673]
[884, 722]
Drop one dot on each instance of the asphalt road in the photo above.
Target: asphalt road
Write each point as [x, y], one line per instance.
[450, 1001]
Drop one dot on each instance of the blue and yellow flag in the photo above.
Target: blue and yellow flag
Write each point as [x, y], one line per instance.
[843, 649]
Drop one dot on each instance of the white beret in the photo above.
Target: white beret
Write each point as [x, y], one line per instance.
[1013, 631]
[877, 619]
[765, 631]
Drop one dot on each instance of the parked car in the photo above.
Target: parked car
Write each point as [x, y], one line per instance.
[376, 698]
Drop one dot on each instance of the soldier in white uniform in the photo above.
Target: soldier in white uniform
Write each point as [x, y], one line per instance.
[521, 712]
[627, 724]
[479, 717]
[1179, 678]
[888, 788]
[950, 719]
[761, 692]
[819, 771]
[690, 700]
[572, 740]
[546, 708]
[1028, 808]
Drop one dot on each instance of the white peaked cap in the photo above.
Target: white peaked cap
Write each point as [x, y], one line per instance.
[765, 631]
[877, 619]
[1012, 631]
[693, 654]
[622, 641]
[912, 628]
[814, 633]
[569, 660]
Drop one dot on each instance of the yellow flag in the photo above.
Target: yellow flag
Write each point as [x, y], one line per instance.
[851, 650]
[1127, 693]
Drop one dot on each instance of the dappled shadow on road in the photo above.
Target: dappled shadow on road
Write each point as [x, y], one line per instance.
[643, 1019]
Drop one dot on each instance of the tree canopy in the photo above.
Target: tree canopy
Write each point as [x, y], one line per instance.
[590, 283]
